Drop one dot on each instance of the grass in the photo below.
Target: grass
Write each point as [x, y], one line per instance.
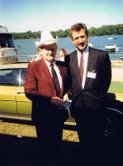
[24, 130]
[116, 87]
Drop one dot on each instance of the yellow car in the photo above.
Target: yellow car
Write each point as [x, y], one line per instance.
[15, 105]
[13, 102]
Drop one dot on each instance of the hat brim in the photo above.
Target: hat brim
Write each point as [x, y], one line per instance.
[38, 43]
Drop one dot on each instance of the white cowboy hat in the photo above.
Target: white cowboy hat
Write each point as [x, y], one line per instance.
[46, 39]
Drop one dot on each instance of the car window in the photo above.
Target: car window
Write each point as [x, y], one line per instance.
[22, 76]
[9, 77]
[6, 40]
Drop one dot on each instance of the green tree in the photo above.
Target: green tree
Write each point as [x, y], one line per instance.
[103, 30]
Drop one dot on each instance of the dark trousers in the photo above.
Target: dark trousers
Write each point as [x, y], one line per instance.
[91, 128]
[49, 136]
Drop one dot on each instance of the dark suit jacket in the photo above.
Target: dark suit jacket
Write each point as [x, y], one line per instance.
[39, 88]
[98, 78]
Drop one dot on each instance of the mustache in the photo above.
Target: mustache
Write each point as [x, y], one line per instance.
[81, 44]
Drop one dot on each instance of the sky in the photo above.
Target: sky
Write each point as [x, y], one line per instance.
[53, 15]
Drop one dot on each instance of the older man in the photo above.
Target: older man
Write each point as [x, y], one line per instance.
[44, 86]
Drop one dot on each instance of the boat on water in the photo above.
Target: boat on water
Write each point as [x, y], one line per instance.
[111, 48]
[121, 58]
[8, 52]
[111, 38]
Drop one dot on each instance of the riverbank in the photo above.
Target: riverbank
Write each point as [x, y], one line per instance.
[117, 70]
[117, 63]
[117, 75]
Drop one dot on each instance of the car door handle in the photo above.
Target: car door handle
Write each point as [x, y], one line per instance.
[20, 93]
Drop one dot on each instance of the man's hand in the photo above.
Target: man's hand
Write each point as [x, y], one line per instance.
[57, 101]
[66, 97]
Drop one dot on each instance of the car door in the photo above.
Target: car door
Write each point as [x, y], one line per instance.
[8, 83]
[24, 105]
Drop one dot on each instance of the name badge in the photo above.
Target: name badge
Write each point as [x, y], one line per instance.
[91, 75]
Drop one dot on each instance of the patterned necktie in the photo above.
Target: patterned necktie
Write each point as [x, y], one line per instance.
[55, 81]
[81, 68]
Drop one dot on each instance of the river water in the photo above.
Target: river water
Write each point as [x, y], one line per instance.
[26, 47]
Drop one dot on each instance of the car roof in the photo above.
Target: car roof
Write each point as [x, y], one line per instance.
[15, 65]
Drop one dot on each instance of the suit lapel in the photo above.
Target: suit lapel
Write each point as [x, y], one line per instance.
[89, 65]
[75, 68]
[44, 69]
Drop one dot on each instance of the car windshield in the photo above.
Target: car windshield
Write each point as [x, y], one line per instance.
[22, 76]
[9, 77]
[6, 40]
[12, 77]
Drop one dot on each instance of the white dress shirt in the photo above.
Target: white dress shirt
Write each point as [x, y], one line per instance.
[85, 58]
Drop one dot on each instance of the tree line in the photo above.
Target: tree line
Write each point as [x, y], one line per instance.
[101, 31]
